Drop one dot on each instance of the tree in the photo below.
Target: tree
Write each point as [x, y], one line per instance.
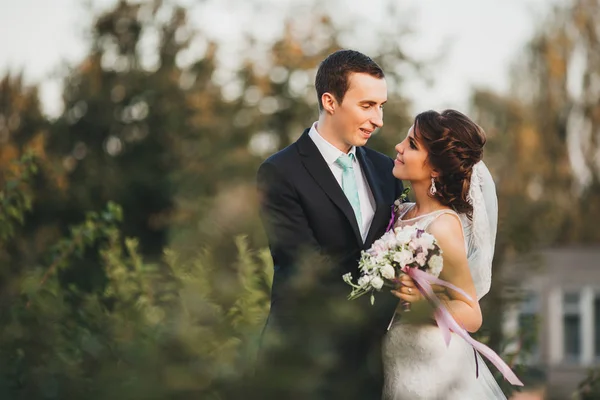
[539, 148]
[122, 115]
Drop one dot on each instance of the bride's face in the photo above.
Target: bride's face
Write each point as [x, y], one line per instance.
[411, 161]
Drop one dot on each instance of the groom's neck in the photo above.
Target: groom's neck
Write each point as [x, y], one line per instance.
[330, 133]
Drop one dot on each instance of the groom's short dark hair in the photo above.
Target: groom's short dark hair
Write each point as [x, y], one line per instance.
[332, 75]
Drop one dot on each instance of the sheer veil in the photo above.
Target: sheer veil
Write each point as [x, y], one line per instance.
[480, 232]
[480, 239]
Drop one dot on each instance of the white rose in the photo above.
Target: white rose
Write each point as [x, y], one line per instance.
[377, 282]
[414, 244]
[388, 272]
[425, 241]
[364, 281]
[390, 242]
[403, 257]
[379, 259]
[403, 236]
[436, 263]
[378, 248]
[386, 237]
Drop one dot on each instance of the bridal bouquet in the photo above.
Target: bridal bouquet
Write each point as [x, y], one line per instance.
[416, 253]
[400, 250]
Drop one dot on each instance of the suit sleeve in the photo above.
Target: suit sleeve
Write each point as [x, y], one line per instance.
[284, 219]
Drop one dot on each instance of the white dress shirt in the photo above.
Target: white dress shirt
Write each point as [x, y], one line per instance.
[331, 153]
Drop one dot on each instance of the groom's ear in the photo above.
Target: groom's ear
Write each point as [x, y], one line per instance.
[329, 102]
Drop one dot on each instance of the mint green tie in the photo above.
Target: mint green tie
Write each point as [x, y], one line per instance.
[349, 184]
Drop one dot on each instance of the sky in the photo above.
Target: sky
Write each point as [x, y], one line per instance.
[39, 37]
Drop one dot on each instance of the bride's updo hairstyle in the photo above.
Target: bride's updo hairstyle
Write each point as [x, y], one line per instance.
[455, 145]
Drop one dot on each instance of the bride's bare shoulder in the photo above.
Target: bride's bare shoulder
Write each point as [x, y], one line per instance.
[447, 229]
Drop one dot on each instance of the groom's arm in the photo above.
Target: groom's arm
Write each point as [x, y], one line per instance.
[285, 222]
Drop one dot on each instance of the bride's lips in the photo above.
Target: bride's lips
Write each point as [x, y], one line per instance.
[397, 161]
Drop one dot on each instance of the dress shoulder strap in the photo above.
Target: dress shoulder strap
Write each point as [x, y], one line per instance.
[433, 216]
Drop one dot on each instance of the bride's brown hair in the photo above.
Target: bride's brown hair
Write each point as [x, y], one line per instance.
[455, 145]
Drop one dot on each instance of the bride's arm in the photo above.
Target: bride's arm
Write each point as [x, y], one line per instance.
[448, 232]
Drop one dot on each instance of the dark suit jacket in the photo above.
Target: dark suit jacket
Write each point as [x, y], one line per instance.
[329, 344]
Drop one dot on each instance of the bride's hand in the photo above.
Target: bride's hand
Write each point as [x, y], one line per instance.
[407, 290]
[421, 312]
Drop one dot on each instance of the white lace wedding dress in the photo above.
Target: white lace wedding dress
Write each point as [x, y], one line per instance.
[417, 363]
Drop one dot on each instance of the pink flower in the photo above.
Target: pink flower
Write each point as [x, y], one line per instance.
[421, 258]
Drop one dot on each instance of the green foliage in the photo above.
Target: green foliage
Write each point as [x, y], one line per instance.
[14, 200]
[155, 331]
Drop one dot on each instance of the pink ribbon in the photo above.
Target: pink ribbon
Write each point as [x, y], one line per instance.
[447, 323]
[392, 220]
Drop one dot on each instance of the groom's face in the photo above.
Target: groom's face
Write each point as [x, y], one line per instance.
[360, 112]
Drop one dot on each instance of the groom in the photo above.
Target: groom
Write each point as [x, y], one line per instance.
[325, 198]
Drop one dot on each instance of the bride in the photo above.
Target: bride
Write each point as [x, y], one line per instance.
[455, 202]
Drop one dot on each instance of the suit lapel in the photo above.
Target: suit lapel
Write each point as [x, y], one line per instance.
[381, 211]
[317, 167]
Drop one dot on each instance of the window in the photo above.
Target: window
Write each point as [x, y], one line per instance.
[528, 329]
[572, 327]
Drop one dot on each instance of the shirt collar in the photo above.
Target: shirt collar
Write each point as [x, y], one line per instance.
[329, 152]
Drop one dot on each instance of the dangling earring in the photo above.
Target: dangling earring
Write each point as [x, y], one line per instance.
[432, 189]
